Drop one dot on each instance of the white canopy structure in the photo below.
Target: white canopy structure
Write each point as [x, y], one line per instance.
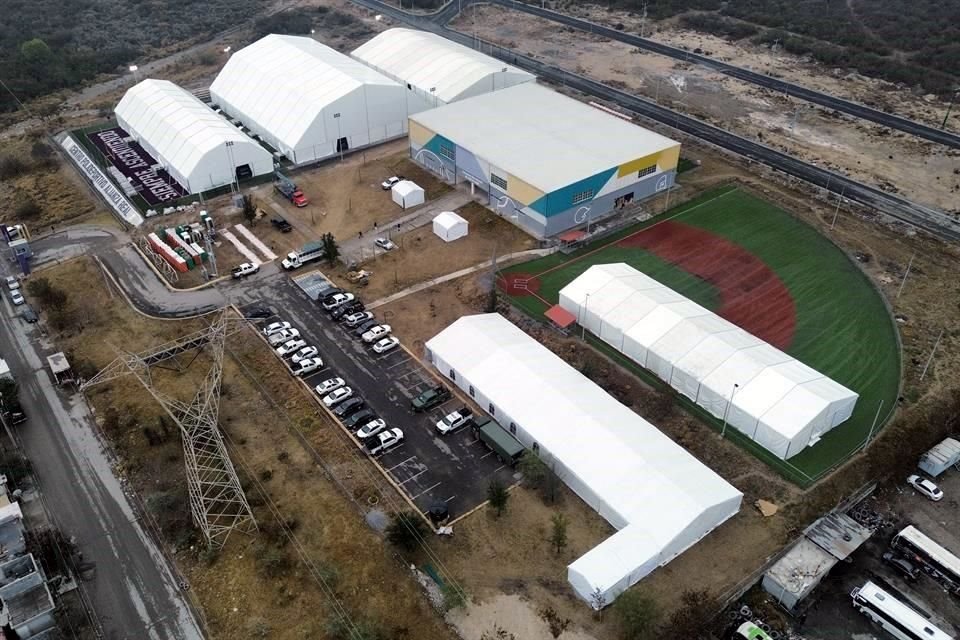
[436, 71]
[449, 226]
[661, 498]
[774, 399]
[408, 194]
[196, 146]
[307, 100]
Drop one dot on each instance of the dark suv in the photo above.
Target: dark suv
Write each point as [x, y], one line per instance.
[901, 564]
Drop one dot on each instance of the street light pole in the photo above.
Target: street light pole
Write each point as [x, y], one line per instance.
[583, 328]
[726, 410]
[953, 96]
[336, 117]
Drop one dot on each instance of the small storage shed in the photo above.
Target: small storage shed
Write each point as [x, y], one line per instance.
[940, 458]
[450, 226]
[407, 194]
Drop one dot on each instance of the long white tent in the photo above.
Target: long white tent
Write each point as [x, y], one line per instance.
[307, 100]
[196, 146]
[776, 400]
[436, 71]
[661, 498]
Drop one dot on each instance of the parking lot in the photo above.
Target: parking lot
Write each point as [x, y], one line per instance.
[832, 617]
[454, 470]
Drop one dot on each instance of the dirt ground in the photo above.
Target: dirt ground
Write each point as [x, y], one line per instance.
[420, 255]
[298, 473]
[898, 163]
[346, 197]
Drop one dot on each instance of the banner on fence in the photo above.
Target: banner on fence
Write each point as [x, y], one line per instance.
[110, 193]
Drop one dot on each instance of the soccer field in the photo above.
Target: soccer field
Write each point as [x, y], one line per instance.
[792, 287]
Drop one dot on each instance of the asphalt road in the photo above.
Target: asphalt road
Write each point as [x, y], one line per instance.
[454, 470]
[933, 221]
[131, 588]
[854, 109]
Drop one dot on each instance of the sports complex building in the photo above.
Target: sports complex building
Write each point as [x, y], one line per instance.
[661, 499]
[308, 101]
[547, 162]
[197, 147]
[435, 71]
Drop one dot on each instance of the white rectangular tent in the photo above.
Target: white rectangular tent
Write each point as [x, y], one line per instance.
[779, 402]
[407, 194]
[661, 498]
[449, 226]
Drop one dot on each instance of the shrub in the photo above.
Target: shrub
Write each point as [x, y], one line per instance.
[12, 167]
[406, 531]
[636, 614]
[27, 210]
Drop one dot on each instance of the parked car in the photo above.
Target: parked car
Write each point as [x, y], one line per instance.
[285, 335]
[387, 184]
[282, 225]
[12, 283]
[328, 294]
[363, 327]
[385, 441]
[29, 314]
[257, 312]
[289, 347]
[337, 300]
[430, 398]
[357, 317]
[385, 243]
[274, 327]
[329, 385]
[307, 366]
[16, 297]
[337, 396]
[346, 309]
[245, 269]
[925, 487]
[910, 571]
[386, 344]
[376, 332]
[453, 421]
[304, 353]
[359, 418]
[344, 409]
[371, 428]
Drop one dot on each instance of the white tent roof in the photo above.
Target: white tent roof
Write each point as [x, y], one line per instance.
[186, 136]
[428, 61]
[280, 84]
[780, 402]
[407, 187]
[449, 220]
[642, 482]
[540, 136]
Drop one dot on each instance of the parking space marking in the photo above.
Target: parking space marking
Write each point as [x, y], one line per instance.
[401, 463]
[398, 364]
[425, 490]
[450, 498]
[419, 473]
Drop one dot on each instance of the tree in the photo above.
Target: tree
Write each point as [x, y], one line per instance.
[330, 247]
[406, 531]
[36, 52]
[249, 210]
[558, 535]
[48, 295]
[498, 495]
[693, 617]
[598, 600]
[637, 615]
[540, 476]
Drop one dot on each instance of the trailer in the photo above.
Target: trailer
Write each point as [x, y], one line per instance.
[498, 440]
[941, 457]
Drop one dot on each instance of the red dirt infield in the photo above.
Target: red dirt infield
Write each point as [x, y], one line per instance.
[518, 284]
[752, 295]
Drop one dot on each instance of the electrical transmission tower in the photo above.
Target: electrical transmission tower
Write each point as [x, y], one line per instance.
[216, 498]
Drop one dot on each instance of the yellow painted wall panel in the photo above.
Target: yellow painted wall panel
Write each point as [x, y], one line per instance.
[419, 134]
[669, 158]
[665, 160]
[521, 191]
[635, 165]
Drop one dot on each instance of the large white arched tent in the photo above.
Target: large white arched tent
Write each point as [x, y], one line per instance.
[195, 145]
[778, 401]
[307, 100]
[660, 498]
[436, 71]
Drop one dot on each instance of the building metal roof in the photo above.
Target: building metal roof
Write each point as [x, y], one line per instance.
[540, 136]
[433, 64]
[801, 568]
[838, 534]
[945, 453]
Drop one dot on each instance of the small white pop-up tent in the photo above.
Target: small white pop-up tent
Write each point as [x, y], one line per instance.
[407, 194]
[449, 226]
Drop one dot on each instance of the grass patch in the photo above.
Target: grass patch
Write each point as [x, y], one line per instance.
[843, 327]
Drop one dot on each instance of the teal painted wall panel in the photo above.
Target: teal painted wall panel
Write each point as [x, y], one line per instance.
[562, 199]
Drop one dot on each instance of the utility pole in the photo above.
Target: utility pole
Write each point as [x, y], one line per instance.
[643, 17]
[905, 274]
[930, 359]
[953, 96]
[836, 211]
[874, 425]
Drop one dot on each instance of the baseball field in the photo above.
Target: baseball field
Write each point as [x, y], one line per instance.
[759, 267]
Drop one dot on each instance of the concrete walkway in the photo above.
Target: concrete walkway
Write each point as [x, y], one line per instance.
[358, 249]
[530, 253]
